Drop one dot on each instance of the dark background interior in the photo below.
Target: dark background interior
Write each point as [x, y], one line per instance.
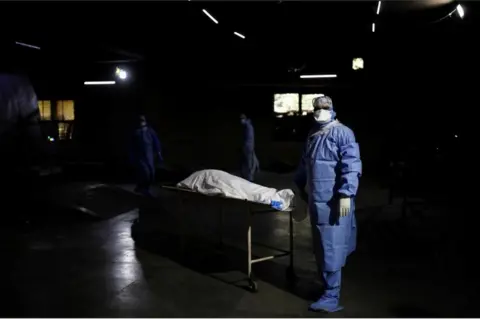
[192, 77]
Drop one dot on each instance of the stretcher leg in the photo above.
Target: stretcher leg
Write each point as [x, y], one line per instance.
[290, 269]
[183, 222]
[251, 282]
[220, 229]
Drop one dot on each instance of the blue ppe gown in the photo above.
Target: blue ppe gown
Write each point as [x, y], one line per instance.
[250, 164]
[330, 168]
[144, 146]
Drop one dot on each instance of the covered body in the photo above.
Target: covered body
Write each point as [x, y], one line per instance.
[214, 182]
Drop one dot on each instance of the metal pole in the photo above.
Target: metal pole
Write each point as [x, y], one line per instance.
[291, 239]
[249, 241]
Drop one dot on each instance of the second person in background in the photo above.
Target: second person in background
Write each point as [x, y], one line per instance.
[250, 165]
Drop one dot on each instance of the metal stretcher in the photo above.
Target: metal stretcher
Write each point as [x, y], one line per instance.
[252, 284]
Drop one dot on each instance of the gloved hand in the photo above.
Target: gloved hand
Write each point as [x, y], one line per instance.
[344, 206]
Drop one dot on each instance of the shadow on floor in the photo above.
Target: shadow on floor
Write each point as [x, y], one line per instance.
[227, 263]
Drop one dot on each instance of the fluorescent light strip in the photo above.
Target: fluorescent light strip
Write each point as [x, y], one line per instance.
[460, 11]
[210, 16]
[99, 82]
[378, 7]
[239, 35]
[373, 27]
[318, 76]
[27, 45]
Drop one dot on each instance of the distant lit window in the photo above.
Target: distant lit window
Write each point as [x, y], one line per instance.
[45, 108]
[357, 64]
[307, 100]
[65, 130]
[65, 110]
[286, 103]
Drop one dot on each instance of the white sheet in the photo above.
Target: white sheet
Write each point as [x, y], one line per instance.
[215, 182]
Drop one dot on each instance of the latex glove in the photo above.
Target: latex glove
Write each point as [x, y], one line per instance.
[344, 206]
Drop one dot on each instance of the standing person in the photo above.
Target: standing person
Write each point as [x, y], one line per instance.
[330, 168]
[145, 146]
[250, 164]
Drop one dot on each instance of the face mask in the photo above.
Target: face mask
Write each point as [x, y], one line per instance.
[322, 116]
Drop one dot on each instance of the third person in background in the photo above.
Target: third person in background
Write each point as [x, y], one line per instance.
[250, 165]
[144, 148]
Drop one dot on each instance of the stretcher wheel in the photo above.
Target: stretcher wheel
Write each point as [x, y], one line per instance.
[290, 273]
[252, 285]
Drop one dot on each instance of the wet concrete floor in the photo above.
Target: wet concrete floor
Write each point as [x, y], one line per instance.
[94, 268]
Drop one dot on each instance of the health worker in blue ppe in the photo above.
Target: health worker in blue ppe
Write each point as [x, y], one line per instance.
[249, 163]
[328, 179]
[145, 147]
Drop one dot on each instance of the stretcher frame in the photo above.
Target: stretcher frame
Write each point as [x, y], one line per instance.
[252, 284]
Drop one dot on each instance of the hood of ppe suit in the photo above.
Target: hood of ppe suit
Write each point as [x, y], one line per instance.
[324, 101]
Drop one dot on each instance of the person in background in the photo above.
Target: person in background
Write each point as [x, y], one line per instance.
[249, 163]
[145, 147]
[330, 169]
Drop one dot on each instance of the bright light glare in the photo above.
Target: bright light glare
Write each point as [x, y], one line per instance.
[318, 76]
[51, 139]
[239, 35]
[99, 82]
[28, 45]
[456, 136]
[373, 27]
[460, 11]
[122, 74]
[357, 64]
[378, 7]
[210, 16]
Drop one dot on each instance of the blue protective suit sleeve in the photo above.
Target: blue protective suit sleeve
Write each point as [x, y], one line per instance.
[350, 165]
[155, 141]
[156, 144]
[300, 178]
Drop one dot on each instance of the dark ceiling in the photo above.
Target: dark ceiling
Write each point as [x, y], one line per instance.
[178, 39]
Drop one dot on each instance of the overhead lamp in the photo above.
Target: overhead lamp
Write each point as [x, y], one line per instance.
[210, 16]
[461, 12]
[99, 82]
[373, 27]
[239, 35]
[27, 45]
[378, 7]
[121, 74]
[357, 64]
[318, 76]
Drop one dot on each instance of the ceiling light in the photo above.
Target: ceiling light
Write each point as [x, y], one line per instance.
[378, 7]
[99, 82]
[318, 76]
[121, 74]
[373, 27]
[210, 16]
[27, 45]
[357, 64]
[460, 11]
[239, 35]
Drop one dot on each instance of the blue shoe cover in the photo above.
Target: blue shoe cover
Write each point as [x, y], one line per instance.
[326, 304]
